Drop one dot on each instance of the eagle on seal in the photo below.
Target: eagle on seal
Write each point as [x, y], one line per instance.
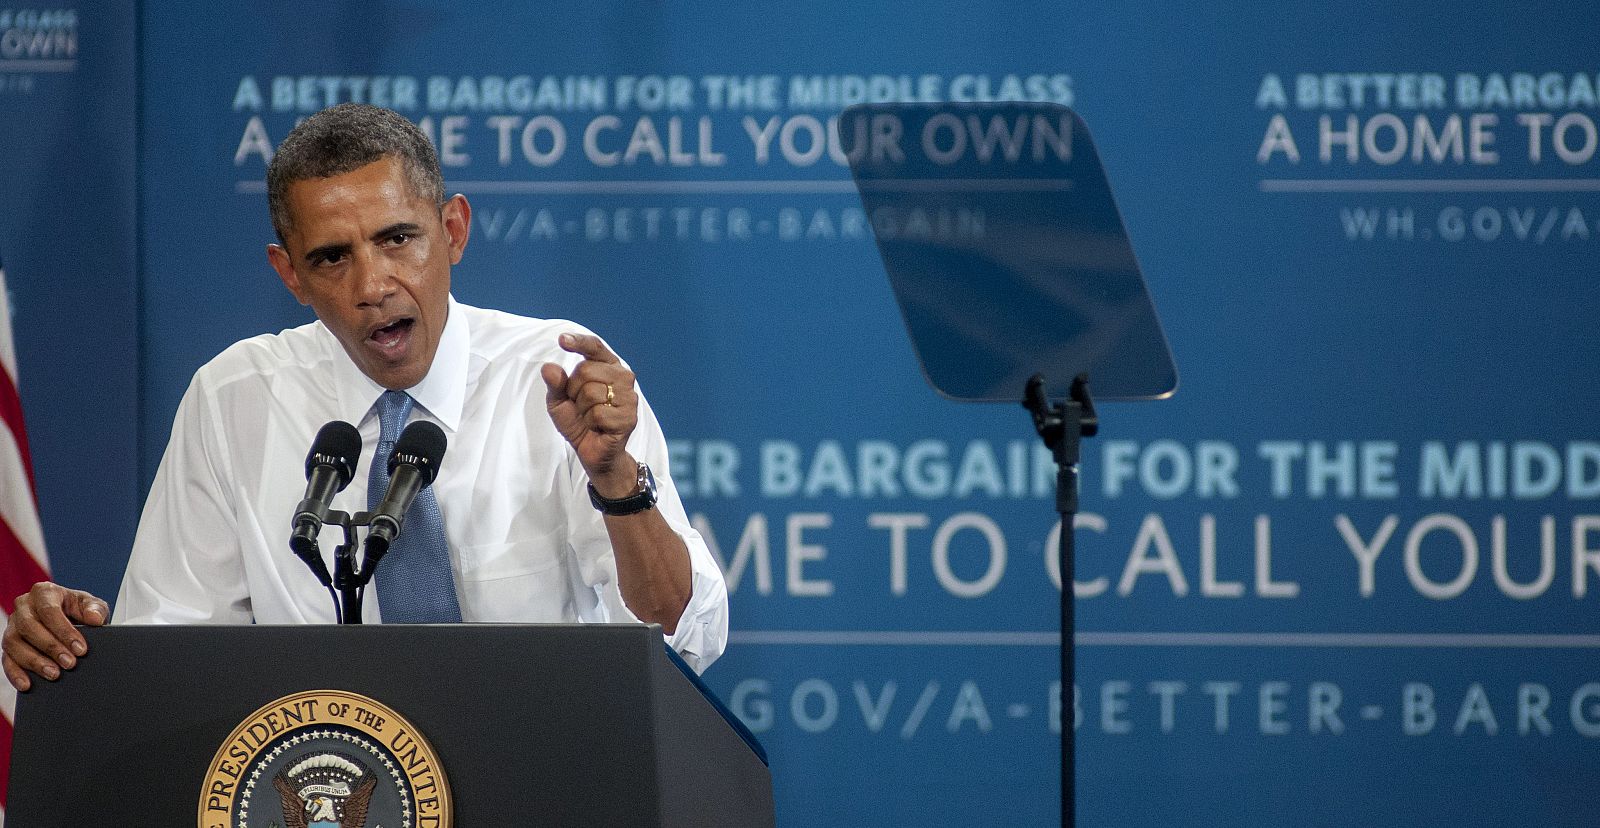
[307, 807]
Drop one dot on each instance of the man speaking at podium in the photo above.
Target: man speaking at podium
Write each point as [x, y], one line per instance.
[551, 504]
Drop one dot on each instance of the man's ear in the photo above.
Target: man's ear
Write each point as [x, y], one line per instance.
[456, 215]
[279, 258]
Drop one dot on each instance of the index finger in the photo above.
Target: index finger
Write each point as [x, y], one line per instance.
[85, 608]
[56, 609]
[590, 346]
[55, 619]
[39, 636]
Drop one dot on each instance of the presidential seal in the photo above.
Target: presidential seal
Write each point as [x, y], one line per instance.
[325, 759]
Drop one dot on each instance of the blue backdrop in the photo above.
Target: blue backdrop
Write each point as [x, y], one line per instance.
[1343, 577]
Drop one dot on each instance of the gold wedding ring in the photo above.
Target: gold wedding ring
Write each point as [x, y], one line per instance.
[611, 395]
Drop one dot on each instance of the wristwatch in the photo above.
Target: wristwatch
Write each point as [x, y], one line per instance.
[643, 497]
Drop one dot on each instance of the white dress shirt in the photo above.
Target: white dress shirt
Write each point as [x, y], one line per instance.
[526, 545]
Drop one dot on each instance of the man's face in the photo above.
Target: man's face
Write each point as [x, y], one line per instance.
[373, 258]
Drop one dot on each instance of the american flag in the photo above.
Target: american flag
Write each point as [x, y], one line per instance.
[22, 557]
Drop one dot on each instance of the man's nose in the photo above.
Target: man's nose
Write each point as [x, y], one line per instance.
[375, 278]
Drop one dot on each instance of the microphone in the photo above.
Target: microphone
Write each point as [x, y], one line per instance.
[329, 467]
[412, 467]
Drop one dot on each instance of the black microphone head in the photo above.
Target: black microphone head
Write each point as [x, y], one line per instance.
[421, 445]
[338, 444]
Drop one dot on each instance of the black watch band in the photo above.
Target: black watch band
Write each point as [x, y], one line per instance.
[643, 497]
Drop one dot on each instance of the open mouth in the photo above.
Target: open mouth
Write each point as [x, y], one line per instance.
[392, 336]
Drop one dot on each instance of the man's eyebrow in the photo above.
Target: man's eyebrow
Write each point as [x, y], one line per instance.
[327, 251]
[398, 228]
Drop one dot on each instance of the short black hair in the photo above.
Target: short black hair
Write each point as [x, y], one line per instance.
[344, 138]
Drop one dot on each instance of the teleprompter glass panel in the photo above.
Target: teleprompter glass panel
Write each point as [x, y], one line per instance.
[1005, 250]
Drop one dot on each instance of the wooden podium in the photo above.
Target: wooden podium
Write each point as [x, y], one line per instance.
[529, 725]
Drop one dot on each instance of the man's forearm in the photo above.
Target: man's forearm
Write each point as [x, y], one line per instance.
[653, 570]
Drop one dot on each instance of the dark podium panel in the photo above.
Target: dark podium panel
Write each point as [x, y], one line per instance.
[533, 724]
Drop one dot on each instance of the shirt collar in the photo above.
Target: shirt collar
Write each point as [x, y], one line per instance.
[443, 391]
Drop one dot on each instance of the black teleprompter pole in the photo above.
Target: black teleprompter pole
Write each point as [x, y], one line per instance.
[1062, 425]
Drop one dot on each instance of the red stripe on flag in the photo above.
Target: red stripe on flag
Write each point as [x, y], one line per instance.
[5, 757]
[18, 570]
[11, 415]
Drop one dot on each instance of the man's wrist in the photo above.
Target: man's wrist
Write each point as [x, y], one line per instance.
[639, 495]
[619, 480]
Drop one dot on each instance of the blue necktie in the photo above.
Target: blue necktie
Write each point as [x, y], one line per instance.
[415, 585]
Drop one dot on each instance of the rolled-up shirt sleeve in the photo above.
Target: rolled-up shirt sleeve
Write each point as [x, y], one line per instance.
[185, 567]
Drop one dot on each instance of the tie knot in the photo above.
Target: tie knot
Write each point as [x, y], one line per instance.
[393, 409]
